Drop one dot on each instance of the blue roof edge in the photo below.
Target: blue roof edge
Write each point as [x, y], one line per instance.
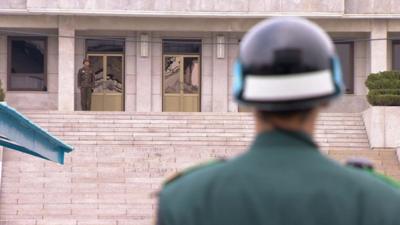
[24, 120]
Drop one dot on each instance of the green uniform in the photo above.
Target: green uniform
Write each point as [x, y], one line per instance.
[283, 179]
[86, 81]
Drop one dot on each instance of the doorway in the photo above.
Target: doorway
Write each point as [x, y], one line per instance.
[108, 93]
[181, 83]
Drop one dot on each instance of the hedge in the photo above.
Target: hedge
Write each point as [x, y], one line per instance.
[384, 88]
[384, 80]
[384, 100]
[384, 92]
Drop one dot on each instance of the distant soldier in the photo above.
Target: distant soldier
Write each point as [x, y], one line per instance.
[288, 71]
[86, 81]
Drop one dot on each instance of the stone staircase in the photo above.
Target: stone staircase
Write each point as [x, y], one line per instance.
[120, 160]
[334, 131]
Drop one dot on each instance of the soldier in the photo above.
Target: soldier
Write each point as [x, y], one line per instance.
[287, 71]
[86, 84]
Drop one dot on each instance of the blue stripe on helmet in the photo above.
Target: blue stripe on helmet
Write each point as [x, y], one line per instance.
[337, 74]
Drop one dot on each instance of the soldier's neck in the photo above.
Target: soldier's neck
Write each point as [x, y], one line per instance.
[305, 127]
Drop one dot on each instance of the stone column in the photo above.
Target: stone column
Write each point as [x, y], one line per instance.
[3, 63]
[66, 61]
[52, 72]
[206, 74]
[220, 78]
[156, 74]
[143, 76]
[80, 53]
[130, 74]
[361, 67]
[379, 57]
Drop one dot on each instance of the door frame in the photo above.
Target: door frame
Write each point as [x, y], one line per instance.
[181, 94]
[105, 55]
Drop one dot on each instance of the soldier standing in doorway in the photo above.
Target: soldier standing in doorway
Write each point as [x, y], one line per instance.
[86, 81]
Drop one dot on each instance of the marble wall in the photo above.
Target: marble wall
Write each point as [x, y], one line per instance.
[132, 6]
[257, 8]
[385, 7]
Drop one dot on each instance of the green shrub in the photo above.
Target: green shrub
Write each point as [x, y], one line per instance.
[384, 100]
[384, 88]
[384, 92]
[384, 80]
[2, 95]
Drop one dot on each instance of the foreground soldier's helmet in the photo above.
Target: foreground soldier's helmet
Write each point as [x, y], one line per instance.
[286, 64]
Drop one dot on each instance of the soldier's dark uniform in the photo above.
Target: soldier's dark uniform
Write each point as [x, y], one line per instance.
[285, 65]
[283, 179]
[86, 82]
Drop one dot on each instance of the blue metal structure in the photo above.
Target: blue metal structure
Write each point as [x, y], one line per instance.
[19, 133]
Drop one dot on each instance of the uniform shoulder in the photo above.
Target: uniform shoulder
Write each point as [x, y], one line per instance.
[350, 179]
[189, 171]
[189, 188]
[374, 186]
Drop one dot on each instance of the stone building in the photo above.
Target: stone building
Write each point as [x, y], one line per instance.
[171, 55]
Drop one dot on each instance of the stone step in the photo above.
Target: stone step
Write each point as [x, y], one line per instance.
[192, 129]
[196, 136]
[174, 118]
[180, 118]
[114, 113]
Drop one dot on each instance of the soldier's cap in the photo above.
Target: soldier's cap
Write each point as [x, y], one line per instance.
[86, 60]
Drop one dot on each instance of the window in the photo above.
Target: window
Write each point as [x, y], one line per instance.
[172, 46]
[105, 45]
[27, 64]
[396, 55]
[346, 56]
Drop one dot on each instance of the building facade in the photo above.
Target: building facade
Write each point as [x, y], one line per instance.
[172, 55]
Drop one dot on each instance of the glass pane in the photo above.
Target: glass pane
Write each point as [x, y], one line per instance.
[345, 53]
[191, 75]
[171, 46]
[396, 56]
[114, 78]
[172, 67]
[96, 63]
[105, 45]
[28, 64]
[27, 81]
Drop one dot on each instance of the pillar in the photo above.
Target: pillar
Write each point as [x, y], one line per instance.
[220, 75]
[156, 73]
[130, 73]
[143, 73]
[379, 57]
[206, 73]
[66, 72]
[3, 62]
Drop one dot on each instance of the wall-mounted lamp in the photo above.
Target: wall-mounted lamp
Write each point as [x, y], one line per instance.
[144, 45]
[220, 47]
